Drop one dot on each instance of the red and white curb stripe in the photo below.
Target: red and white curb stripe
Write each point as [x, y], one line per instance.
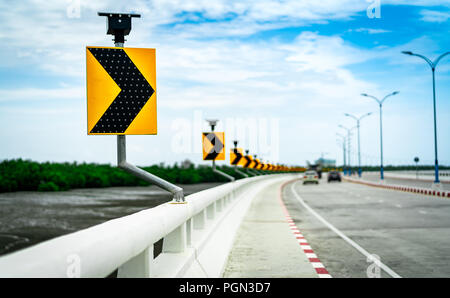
[424, 191]
[312, 257]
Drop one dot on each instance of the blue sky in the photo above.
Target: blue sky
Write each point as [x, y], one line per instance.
[278, 74]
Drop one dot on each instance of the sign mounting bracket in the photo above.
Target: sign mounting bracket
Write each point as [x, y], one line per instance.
[119, 25]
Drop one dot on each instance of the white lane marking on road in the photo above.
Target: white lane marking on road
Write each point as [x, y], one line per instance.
[381, 201]
[340, 234]
[398, 205]
[422, 212]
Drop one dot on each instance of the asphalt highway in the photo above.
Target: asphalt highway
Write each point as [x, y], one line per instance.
[346, 223]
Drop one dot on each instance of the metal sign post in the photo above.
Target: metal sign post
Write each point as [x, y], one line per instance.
[213, 124]
[249, 171]
[235, 142]
[416, 160]
[119, 25]
[255, 169]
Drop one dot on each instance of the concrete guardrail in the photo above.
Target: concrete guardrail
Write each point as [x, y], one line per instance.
[197, 239]
[413, 189]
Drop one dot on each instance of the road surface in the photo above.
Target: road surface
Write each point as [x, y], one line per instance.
[409, 232]
[265, 245]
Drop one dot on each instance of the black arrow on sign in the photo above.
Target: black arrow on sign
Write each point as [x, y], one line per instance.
[248, 161]
[134, 94]
[256, 164]
[238, 157]
[217, 146]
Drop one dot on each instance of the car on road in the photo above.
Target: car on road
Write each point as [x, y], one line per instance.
[334, 176]
[311, 177]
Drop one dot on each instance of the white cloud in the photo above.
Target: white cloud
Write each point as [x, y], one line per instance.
[230, 73]
[41, 94]
[309, 78]
[370, 30]
[435, 16]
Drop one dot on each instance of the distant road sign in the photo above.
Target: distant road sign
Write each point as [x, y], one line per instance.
[260, 166]
[237, 157]
[213, 145]
[248, 161]
[121, 91]
[255, 164]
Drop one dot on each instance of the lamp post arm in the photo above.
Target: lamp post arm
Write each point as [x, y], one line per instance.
[389, 95]
[376, 99]
[432, 65]
[344, 139]
[352, 116]
[439, 58]
[364, 116]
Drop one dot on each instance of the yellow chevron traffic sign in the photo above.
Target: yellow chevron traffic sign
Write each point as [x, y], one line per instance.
[248, 159]
[255, 164]
[260, 166]
[213, 145]
[237, 157]
[121, 91]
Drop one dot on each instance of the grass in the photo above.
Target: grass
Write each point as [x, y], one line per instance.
[26, 175]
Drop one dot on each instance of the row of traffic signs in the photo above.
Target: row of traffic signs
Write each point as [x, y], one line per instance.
[214, 149]
[237, 158]
[121, 100]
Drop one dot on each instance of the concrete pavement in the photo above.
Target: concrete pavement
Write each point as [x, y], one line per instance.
[265, 245]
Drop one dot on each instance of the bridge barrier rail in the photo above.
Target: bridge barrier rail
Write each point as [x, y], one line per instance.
[413, 189]
[411, 175]
[422, 175]
[126, 243]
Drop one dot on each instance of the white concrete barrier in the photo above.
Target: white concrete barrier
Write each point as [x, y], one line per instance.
[197, 239]
[424, 176]
[418, 190]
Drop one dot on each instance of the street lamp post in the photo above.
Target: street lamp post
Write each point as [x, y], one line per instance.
[433, 68]
[416, 160]
[358, 120]
[380, 103]
[349, 131]
[343, 151]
